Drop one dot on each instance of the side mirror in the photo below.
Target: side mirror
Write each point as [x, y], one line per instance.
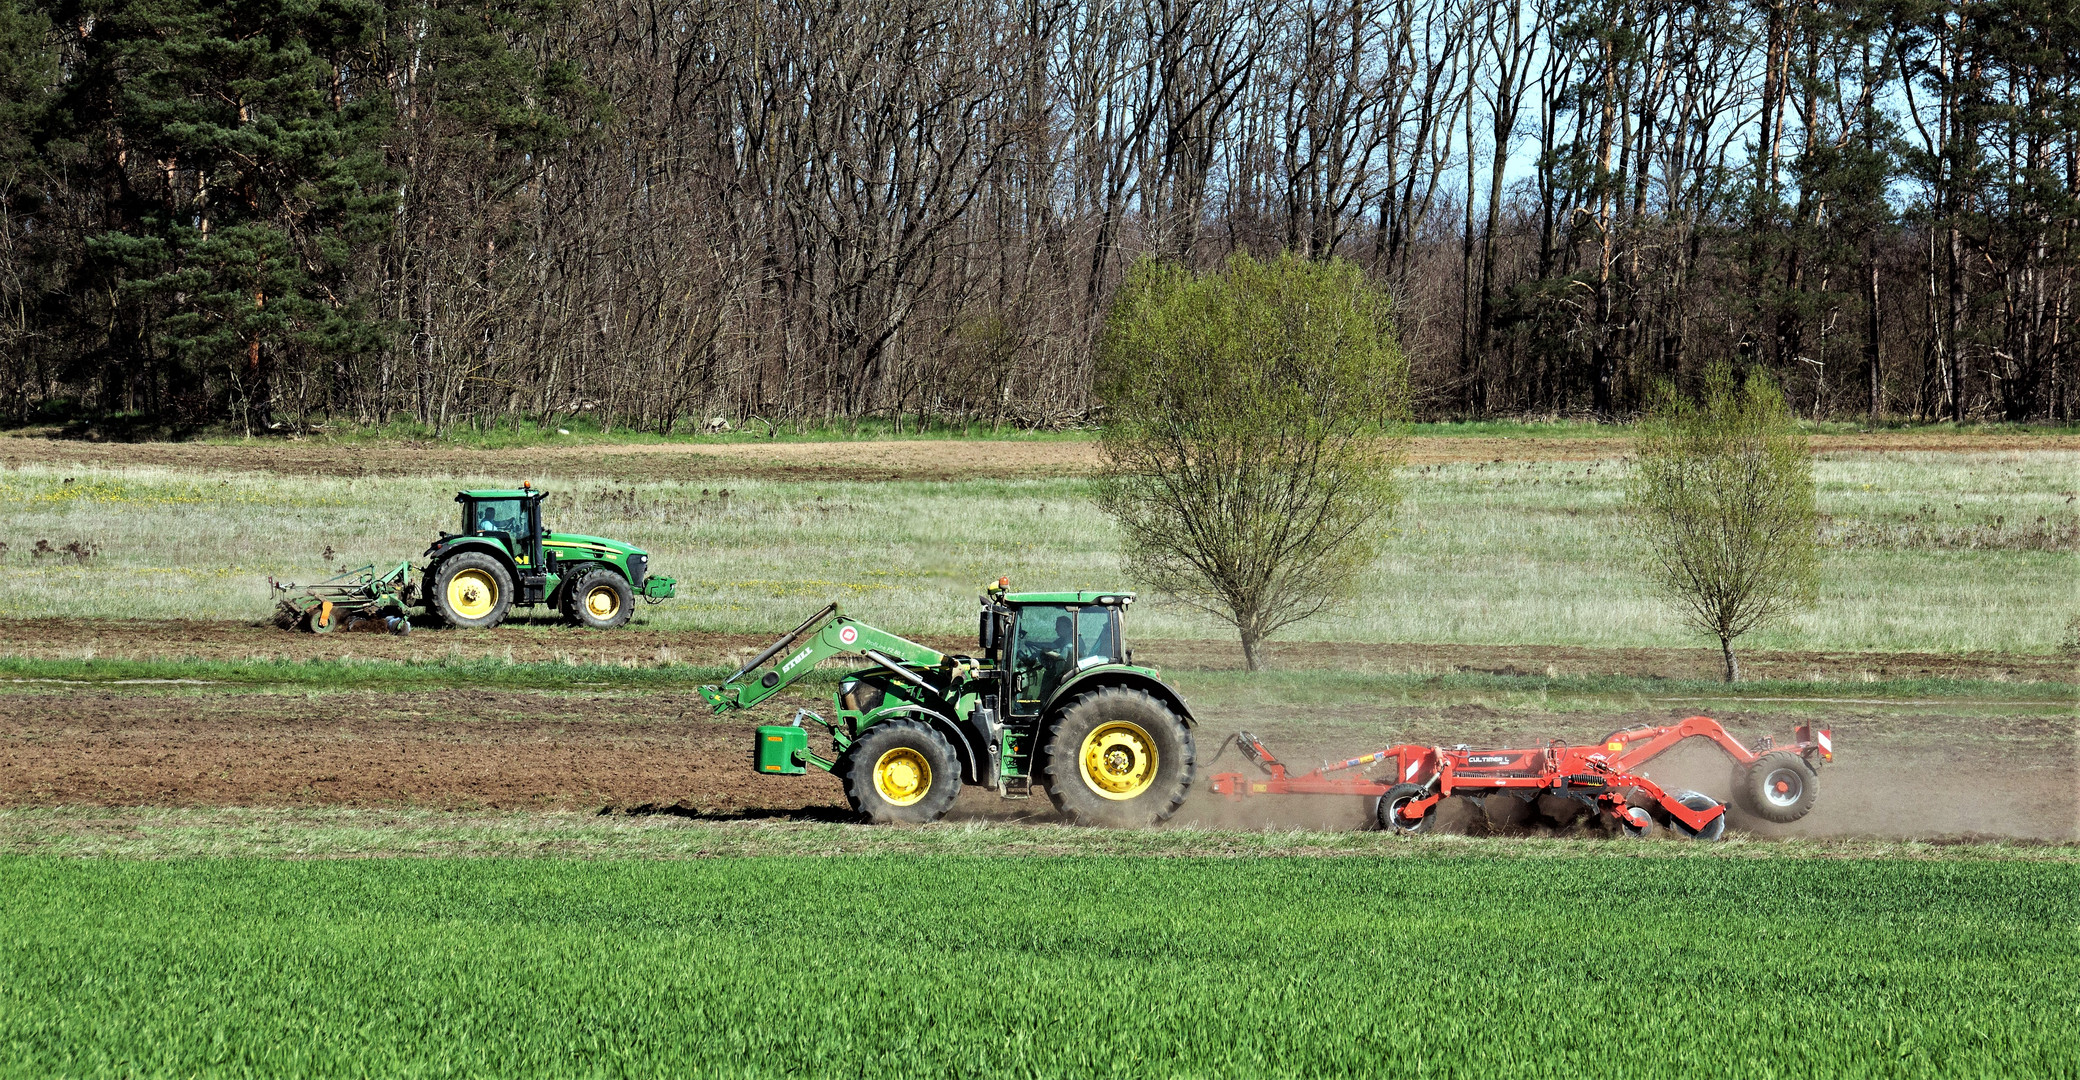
[986, 633]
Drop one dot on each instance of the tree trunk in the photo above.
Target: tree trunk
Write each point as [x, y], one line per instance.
[1870, 336]
[1250, 643]
[1733, 666]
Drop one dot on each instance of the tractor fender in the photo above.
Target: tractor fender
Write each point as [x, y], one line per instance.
[569, 572]
[1105, 675]
[971, 755]
[442, 552]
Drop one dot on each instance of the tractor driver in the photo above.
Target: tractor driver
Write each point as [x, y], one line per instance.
[500, 516]
[1041, 659]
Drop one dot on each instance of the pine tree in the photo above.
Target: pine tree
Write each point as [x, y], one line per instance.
[241, 164]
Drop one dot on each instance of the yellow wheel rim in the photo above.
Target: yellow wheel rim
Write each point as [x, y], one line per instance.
[602, 602]
[902, 776]
[1118, 760]
[472, 594]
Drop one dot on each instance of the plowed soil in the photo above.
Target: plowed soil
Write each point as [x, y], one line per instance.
[1918, 777]
[915, 459]
[146, 639]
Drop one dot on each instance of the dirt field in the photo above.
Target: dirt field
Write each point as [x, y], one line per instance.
[145, 639]
[919, 459]
[1923, 777]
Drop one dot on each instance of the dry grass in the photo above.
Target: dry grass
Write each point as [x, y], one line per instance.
[1927, 551]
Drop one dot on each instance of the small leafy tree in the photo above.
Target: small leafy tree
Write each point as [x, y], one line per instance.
[1249, 437]
[1722, 496]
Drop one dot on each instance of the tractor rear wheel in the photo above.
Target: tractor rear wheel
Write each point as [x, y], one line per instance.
[1119, 758]
[900, 771]
[472, 591]
[600, 600]
[1778, 787]
[1698, 800]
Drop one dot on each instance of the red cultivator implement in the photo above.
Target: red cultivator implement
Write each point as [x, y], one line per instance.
[1558, 782]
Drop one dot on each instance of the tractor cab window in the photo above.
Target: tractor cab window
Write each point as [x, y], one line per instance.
[1096, 639]
[1042, 652]
[499, 516]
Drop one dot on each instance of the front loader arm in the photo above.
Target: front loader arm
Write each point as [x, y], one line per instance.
[797, 653]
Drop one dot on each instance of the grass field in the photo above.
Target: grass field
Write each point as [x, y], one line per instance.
[1461, 965]
[1936, 552]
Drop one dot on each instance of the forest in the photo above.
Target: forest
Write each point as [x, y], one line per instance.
[674, 215]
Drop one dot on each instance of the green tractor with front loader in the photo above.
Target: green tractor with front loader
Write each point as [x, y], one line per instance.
[503, 558]
[1054, 698]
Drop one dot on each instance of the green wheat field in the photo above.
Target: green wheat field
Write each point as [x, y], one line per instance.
[1071, 966]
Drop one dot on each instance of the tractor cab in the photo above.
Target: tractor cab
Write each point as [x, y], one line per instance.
[1046, 639]
[513, 518]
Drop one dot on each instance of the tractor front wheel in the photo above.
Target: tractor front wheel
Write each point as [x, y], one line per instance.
[900, 771]
[1778, 787]
[600, 600]
[1119, 758]
[472, 591]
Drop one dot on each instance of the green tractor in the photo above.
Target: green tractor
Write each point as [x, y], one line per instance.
[503, 557]
[1054, 697]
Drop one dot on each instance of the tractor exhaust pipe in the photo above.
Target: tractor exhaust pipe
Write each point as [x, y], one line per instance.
[786, 639]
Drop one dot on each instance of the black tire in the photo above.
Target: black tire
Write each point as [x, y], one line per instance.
[1141, 752]
[599, 600]
[1697, 800]
[882, 771]
[1388, 814]
[1778, 787]
[452, 599]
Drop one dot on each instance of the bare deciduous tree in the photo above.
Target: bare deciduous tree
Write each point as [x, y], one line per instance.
[641, 212]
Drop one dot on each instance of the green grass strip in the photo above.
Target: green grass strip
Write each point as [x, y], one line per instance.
[1210, 687]
[1335, 687]
[1054, 966]
[29, 674]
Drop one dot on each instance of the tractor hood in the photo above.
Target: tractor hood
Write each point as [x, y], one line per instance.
[570, 544]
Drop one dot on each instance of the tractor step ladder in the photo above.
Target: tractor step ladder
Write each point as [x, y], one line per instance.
[1017, 787]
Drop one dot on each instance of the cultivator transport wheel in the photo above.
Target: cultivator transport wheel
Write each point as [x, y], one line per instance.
[900, 771]
[1389, 813]
[1119, 758]
[323, 618]
[472, 591]
[600, 600]
[1778, 787]
[1697, 800]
